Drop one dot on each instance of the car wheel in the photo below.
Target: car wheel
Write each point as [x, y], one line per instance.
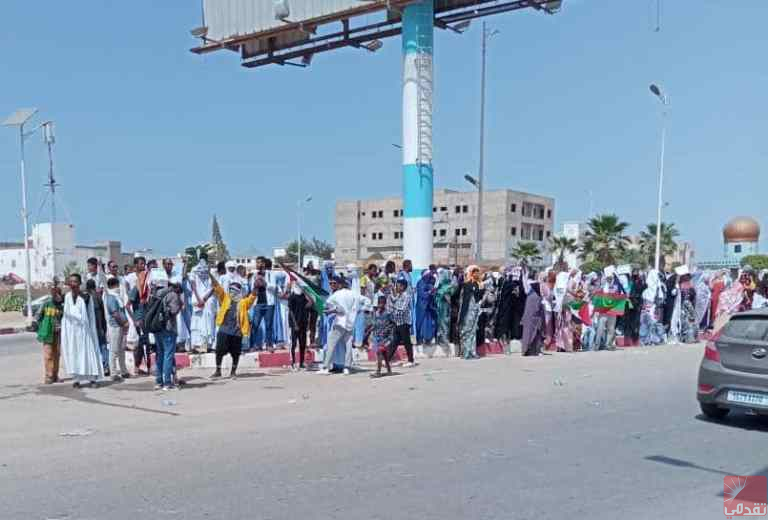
[713, 411]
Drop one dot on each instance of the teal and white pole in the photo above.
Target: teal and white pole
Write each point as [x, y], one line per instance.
[418, 36]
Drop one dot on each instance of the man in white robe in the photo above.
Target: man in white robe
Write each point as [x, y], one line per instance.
[204, 308]
[79, 341]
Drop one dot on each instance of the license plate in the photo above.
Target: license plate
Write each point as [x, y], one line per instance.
[748, 398]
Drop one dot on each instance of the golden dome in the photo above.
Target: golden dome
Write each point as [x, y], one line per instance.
[742, 229]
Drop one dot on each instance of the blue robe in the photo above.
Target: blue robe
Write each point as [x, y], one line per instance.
[426, 312]
[325, 284]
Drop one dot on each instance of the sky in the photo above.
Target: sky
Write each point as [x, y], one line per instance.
[153, 140]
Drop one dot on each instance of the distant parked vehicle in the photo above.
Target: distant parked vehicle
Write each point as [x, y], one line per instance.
[734, 371]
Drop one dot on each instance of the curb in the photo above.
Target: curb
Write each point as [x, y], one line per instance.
[12, 330]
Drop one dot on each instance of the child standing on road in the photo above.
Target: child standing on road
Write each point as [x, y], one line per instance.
[49, 333]
[382, 334]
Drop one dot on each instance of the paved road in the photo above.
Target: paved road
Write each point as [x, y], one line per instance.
[594, 435]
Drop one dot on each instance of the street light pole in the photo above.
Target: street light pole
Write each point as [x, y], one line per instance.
[25, 218]
[298, 219]
[665, 103]
[486, 35]
[20, 118]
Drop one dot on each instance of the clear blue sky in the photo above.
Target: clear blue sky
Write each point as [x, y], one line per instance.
[153, 140]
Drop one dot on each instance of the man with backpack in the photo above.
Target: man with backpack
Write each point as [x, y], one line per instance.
[160, 319]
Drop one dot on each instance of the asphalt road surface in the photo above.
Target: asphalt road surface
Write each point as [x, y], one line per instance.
[592, 435]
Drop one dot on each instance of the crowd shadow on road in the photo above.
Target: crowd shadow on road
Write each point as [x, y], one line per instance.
[77, 394]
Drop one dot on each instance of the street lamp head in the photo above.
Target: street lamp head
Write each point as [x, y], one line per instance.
[656, 91]
[461, 26]
[20, 117]
[471, 180]
[49, 136]
[308, 199]
[199, 32]
[373, 46]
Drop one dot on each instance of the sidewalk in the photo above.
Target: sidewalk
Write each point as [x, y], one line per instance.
[12, 322]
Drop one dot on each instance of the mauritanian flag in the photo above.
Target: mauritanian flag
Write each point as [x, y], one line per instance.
[612, 304]
[581, 308]
[315, 293]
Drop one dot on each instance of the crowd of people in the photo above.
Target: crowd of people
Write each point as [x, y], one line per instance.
[162, 308]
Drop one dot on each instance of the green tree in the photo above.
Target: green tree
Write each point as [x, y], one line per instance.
[526, 253]
[561, 246]
[72, 268]
[757, 262]
[592, 266]
[218, 251]
[193, 254]
[605, 240]
[634, 256]
[648, 241]
[313, 246]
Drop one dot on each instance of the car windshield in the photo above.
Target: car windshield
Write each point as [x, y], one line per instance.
[750, 328]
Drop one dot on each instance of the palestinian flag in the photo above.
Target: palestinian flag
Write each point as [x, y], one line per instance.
[610, 303]
[317, 294]
[581, 309]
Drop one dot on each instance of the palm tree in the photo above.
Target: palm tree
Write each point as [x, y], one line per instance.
[648, 241]
[605, 240]
[526, 253]
[561, 246]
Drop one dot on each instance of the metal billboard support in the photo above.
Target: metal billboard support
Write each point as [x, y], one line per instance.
[418, 36]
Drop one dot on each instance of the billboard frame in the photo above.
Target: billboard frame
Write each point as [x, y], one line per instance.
[356, 37]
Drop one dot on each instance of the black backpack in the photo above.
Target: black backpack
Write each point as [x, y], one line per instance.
[156, 317]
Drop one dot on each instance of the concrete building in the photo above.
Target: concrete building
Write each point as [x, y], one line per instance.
[373, 229]
[52, 249]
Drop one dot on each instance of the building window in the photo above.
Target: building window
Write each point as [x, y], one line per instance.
[434, 233]
[525, 231]
[464, 232]
[549, 213]
[736, 249]
[394, 213]
[443, 208]
[549, 234]
[373, 236]
[541, 234]
[458, 232]
[364, 235]
[513, 208]
[398, 235]
[465, 209]
[363, 213]
[434, 210]
[442, 233]
[458, 209]
[373, 214]
[381, 236]
[513, 231]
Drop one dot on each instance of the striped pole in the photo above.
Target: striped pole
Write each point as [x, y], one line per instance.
[418, 35]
